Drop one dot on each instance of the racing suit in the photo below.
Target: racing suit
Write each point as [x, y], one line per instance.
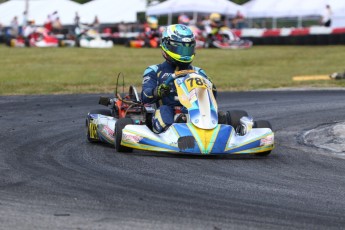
[154, 76]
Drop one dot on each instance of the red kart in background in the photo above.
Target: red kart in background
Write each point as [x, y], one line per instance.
[39, 37]
[226, 39]
[147, 39]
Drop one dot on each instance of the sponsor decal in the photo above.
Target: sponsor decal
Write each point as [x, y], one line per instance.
[131, 138]
[108, 131]
[192, 96]
[186, 39]
[146, 79]
[269, 140]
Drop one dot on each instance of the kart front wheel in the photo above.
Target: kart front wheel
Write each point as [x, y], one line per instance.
[262, 124]
[234, 116]
[91, 129]
[119, 126]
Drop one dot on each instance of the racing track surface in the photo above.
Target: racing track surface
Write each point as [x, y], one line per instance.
[51, 178]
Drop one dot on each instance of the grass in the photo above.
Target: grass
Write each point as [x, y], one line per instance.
[77, 70]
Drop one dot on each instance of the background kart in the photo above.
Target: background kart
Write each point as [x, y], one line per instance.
[127, 124]
[40, 37]
[90, 38]
[226, 39]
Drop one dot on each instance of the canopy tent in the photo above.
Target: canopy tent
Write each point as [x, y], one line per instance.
[296, 8]
[195, 6]
[38, 10]
[110, 11]
[283, 8]
[290, 8]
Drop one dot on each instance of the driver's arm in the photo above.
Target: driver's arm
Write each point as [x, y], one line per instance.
[150, 82]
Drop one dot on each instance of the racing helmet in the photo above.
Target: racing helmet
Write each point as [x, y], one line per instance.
[178, 45]
[152, 22]
[183, 19]
[215, 17]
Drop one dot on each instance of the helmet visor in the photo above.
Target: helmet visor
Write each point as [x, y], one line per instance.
[181, 48]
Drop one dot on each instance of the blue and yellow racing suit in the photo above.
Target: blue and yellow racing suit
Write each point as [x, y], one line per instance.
[154, 76]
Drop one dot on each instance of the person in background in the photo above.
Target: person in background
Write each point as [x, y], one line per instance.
[327, 16]
[57, 26]
[212, 26]
[183, 19]
[29, 29]
[48, 24]
[14, 27]
[25, 20]
[178, 50]
[76, 19]
[95, 24]
[238, 21]
[1, 27]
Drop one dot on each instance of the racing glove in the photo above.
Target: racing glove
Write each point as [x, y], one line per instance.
[161, 91]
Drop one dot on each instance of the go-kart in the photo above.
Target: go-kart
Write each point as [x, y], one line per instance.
[226, 39]
[40, 37]
[141, 43]
[90, 38]
[127, 125]
[148, 39]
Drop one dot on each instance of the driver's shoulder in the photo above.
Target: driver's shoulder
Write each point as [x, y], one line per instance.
[199, 71]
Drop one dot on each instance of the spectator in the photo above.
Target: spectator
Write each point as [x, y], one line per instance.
[327, 16]
[14, 27]
[95, 24]
[53, 16]
[238, 21]
[48, 24]
[57, 26]
[76, 19]
[122, 27]
[29, 29]
[25, 19]
[183, 19]
[1, 27]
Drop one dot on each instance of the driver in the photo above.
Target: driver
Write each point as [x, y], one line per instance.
[215, 23]
[178, 49]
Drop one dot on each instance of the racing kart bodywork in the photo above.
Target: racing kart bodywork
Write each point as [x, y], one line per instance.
[40, 37]
[128, 125]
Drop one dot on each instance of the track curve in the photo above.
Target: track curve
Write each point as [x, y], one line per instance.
[52, 178]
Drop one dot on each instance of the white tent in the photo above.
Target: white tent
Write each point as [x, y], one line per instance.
[38, 10]
[111, 11]
[296, 8]
[291, 8]
[195, 6]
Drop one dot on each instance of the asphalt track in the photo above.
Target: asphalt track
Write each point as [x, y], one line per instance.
[51, 178]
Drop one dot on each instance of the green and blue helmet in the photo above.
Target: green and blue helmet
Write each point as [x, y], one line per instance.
[178, 44]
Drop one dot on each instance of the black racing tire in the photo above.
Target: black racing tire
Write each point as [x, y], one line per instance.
[105, 112]
[222, 117]
[234, 116]
[148, 120]
[119, 126]
[262, 124]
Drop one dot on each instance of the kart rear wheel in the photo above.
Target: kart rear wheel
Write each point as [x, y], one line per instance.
[262, 124]
[119, 126]
[234, 116]
[105, 112]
